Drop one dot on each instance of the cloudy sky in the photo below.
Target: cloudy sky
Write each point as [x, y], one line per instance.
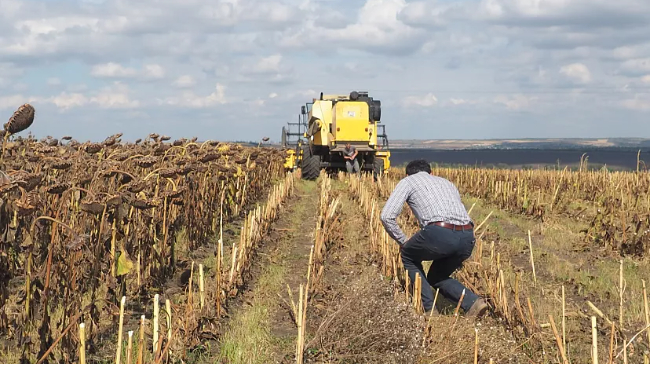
[241, 69]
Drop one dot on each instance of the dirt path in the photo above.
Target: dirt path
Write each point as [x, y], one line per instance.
[355, 318]
[261, 328]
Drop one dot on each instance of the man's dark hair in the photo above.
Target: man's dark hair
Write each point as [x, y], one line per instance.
[416, 166]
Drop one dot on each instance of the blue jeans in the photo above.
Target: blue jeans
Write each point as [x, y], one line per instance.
[447, 249]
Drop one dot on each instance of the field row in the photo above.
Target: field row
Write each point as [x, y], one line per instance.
[85, 224]
[614, 205]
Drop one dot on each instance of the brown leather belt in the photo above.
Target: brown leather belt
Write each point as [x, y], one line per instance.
[453, 227]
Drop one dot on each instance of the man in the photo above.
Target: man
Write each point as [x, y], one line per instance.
[446, 236]
[350, 156]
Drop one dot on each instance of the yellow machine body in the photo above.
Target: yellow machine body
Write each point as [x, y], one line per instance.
[290, 160]
[336, 120]
[321, 113]
[351, 123]
[385, 156]
[293, 158]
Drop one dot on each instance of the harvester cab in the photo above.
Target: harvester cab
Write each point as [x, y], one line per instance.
[331, 122]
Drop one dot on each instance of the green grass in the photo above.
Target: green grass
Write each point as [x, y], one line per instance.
[307, 186]
[9, 356]
[249, 340]
[557, 246]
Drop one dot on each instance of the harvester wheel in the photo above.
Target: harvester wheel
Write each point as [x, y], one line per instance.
[377, 167]
[310, 165]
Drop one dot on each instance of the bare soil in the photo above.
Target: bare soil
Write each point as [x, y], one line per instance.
[355, 317]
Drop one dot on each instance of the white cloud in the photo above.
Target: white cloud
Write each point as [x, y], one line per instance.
[9, 8]
[640, 102]
[572, 13]
[428, 14]
[577, 72]
[12, 101]
[625, 52]
[270, 64]
[257, 102]
[427, 100]
[154, 71]
[53, 25]
[271, 13]
[190, 100]
[516, 102]
[116, 70]
[636, 67]
[112, 70]
[116, 96]
[65, 101]
[271, 69]
[455, 101]
[377, 29]
[184, 81]
[113, 100]
[646, 79]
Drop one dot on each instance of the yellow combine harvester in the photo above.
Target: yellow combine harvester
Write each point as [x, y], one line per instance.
[330, 122]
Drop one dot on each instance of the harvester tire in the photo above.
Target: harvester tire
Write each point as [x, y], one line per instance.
[310, 166]
[377, 167]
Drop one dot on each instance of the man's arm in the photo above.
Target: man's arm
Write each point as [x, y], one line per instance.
[354, 154]
[392, 210]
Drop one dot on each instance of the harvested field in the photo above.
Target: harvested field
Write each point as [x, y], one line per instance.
[178, 251]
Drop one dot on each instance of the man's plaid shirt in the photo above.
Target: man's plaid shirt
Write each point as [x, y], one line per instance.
[432, 199]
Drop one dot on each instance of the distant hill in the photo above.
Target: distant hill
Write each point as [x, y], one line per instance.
[542, 143]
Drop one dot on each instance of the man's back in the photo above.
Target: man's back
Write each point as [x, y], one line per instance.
[432, 199]
[437, 199]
